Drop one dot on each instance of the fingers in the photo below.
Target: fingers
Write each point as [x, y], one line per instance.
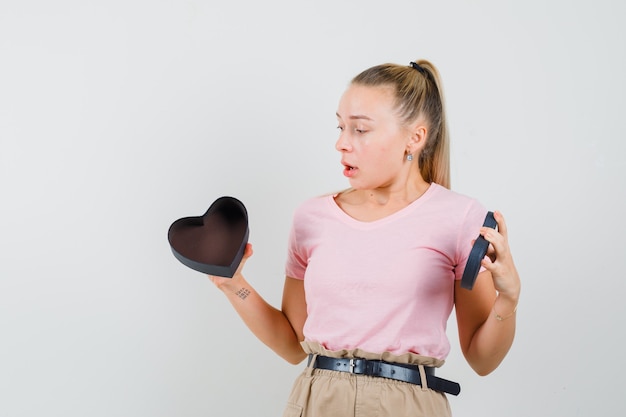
[248, 251]
[498, 241]
[491, 253]
[497, 237]
[492, 236]
[501, 223]
[499, 261]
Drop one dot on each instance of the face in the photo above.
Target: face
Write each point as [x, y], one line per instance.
[372, 141]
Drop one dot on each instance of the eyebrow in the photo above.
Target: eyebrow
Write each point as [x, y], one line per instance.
[357, 117]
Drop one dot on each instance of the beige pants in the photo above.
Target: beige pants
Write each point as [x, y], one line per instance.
[324, 393]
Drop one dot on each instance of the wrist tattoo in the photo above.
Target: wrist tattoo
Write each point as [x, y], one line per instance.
[243, 293]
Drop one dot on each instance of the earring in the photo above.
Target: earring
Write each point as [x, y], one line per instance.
[409, 157]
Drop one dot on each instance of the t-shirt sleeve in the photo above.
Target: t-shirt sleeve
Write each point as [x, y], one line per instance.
[296, 258]
[469, 230]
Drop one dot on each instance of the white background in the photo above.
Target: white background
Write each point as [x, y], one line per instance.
[118, 117]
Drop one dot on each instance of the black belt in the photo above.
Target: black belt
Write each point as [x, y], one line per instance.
[397, 371]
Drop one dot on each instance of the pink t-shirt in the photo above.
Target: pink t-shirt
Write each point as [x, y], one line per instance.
[385, 285]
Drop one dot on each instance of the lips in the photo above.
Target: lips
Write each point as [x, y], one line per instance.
[348, 170]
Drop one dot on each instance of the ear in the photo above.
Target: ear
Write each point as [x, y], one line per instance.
[417, 140]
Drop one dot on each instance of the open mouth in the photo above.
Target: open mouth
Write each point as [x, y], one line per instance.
[349, 170]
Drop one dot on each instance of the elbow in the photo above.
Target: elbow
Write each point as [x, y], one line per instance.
[484, 367]
[295, 358]
[486, 361]
[293, 354]
[483, 371]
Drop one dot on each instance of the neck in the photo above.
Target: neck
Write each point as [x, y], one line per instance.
[402, 195]
[392, 195]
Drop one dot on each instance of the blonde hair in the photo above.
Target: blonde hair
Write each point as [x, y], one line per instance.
[418, 93]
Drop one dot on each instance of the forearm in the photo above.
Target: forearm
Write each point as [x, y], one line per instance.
[493, 339]
[267, 323]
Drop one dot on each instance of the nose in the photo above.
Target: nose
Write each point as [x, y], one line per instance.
[343, 144]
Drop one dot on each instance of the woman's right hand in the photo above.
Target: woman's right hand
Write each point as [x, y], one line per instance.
[233, 283]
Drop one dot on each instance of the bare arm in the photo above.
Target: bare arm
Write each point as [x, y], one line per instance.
[280, 330]
[486, 314]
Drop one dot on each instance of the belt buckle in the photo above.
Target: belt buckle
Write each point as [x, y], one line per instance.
[352, 365]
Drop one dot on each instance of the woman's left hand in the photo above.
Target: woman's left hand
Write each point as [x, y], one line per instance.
[486, 321]
[499, 260]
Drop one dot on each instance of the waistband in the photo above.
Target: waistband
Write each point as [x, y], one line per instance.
[377, 368]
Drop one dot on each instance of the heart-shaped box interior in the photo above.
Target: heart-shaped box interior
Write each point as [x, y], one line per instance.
[215, 242]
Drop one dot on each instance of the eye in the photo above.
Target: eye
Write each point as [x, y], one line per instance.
[340, 128]
[360, 131]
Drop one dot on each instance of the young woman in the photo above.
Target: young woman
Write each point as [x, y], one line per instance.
[373, 272]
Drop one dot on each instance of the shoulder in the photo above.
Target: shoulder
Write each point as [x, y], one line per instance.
[309, 216]
[457, 208]
[447, 197]
[314, 203]
[312, 207]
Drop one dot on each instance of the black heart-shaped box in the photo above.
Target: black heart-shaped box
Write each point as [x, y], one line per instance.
[213, 243]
